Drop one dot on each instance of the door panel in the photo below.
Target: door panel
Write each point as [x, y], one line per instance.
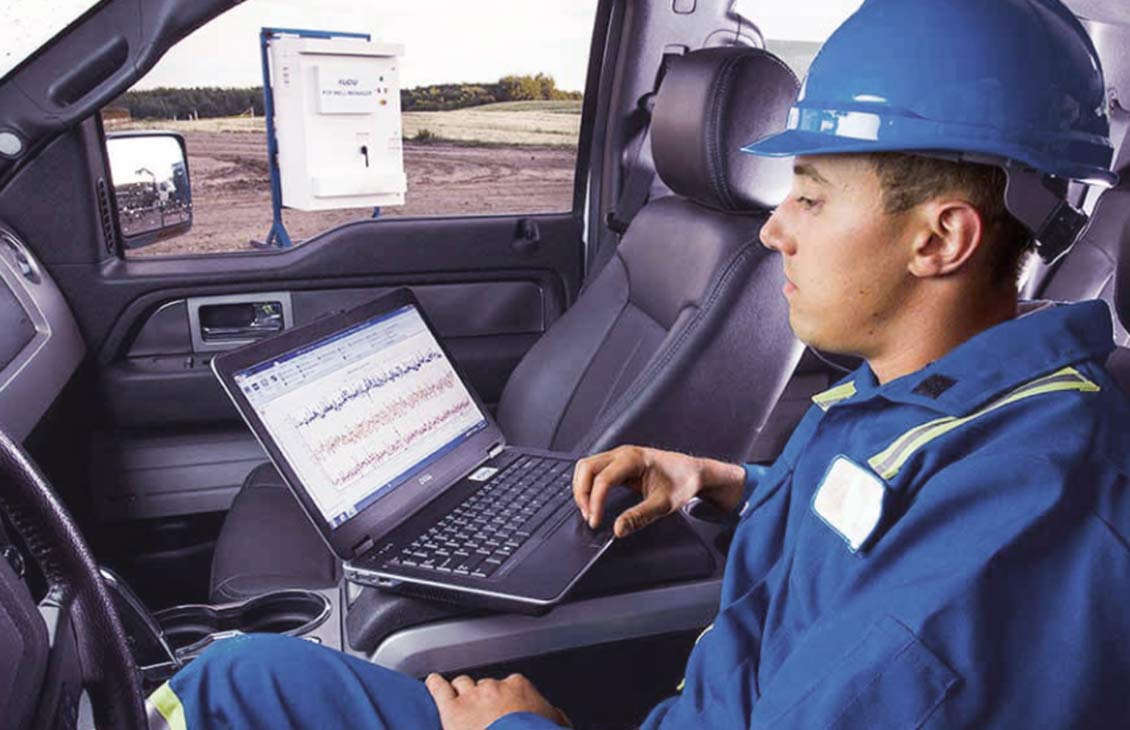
[142, 477]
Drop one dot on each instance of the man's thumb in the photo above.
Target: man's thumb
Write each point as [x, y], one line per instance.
[640, 516]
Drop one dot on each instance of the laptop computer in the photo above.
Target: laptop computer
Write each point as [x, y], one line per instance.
[402, 470]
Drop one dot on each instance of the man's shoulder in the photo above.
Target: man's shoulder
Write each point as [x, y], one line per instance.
[1107, 413]
[1066, 441]
[1074, 417]
[1083, 415]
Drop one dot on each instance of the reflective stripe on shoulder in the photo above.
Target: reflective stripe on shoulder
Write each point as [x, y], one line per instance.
[832, 396]
[163, 710]
[888, 461]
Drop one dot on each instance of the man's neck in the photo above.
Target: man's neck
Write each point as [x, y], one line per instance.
[927, 333]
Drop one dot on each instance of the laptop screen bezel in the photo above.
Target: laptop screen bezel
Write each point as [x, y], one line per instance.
[382, 516]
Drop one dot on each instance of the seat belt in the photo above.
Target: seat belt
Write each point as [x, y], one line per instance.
[641, 171]
[634, 195]
[641, 174]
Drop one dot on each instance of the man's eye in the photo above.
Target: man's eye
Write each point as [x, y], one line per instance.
[806, 203]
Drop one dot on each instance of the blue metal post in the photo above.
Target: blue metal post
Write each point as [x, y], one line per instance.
[278, 237]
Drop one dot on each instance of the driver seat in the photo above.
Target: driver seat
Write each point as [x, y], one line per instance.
[681, 341]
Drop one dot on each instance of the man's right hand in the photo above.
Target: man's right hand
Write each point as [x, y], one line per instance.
[667, 480]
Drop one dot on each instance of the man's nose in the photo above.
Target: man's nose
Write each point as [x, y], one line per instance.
[773, 234]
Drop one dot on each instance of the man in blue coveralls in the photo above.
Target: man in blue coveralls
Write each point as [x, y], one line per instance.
[944, 541]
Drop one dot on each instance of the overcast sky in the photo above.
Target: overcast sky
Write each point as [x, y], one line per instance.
[445, 40]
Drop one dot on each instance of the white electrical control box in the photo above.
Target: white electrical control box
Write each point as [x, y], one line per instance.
[337, 122]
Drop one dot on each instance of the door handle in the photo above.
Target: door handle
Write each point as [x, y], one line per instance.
[527, 238]
[240, 321]
[218, 323]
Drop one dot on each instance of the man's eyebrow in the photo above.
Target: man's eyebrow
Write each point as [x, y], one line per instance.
[810, 172]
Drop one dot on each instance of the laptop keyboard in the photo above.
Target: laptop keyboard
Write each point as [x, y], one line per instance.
[479, 535]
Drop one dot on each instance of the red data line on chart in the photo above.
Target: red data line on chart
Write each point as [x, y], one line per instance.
[350, 431]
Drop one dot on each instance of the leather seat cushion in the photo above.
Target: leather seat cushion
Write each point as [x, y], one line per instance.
[288, 553]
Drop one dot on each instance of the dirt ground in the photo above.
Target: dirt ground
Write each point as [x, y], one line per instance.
[232, 199]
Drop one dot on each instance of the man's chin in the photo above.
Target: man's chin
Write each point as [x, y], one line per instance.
[817, 338]
[803, 330]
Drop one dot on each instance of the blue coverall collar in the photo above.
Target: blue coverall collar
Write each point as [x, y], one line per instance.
[996, 360]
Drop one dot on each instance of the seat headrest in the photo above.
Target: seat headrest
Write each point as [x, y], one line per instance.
[712, 102]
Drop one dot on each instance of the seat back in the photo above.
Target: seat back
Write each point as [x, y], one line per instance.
[682, 339]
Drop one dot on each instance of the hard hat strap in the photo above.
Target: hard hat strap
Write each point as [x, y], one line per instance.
[1054, 222]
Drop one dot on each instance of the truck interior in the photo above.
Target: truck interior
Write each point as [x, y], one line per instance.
[139, 518]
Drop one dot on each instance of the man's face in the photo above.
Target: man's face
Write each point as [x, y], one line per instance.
[845, 259]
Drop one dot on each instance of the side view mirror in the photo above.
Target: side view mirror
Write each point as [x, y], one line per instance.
[151, 188]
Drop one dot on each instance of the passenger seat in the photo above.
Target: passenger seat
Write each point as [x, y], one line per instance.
[681, 341]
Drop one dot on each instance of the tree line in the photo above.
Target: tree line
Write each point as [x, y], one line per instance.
[209, 102]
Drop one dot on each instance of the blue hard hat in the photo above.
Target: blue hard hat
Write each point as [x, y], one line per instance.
[1012, 79]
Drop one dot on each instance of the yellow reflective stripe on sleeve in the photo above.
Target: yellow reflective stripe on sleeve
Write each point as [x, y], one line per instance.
[683, 681]
[164, 711]
[888, 461]
[832, 396]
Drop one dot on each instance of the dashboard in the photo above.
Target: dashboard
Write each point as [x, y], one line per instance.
[40, 344]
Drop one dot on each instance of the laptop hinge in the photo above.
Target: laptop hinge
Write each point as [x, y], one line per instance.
[363, 546]
[496, 450]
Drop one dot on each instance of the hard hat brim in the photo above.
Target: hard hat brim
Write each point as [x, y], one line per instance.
[796, 142]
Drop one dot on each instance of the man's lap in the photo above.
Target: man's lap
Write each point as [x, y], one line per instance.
[276, 682]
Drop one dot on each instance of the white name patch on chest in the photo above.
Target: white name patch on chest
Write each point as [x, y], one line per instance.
[850, 501]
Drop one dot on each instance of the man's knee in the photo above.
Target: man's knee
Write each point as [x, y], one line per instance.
[249, 668]
[272, 681]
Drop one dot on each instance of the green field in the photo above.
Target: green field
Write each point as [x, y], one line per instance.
[569, 106]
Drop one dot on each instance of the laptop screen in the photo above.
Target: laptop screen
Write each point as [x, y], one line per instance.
[358, 413]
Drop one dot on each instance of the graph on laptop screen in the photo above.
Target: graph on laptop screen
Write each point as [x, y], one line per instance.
[358, 413]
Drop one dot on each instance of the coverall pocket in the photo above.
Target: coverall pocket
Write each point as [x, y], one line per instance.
[889, 680]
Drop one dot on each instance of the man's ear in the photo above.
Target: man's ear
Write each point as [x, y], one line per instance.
[950, 233]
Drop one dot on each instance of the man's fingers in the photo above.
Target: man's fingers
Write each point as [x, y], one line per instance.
[618, 471]
[440, 689]
[463, 684]
[642, 515]
[583, 474]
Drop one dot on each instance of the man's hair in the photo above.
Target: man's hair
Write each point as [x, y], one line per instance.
[907, 180]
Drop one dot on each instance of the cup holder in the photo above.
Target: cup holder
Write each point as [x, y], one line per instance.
[190, 628]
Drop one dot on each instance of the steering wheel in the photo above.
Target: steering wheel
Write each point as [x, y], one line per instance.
[109, 673]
